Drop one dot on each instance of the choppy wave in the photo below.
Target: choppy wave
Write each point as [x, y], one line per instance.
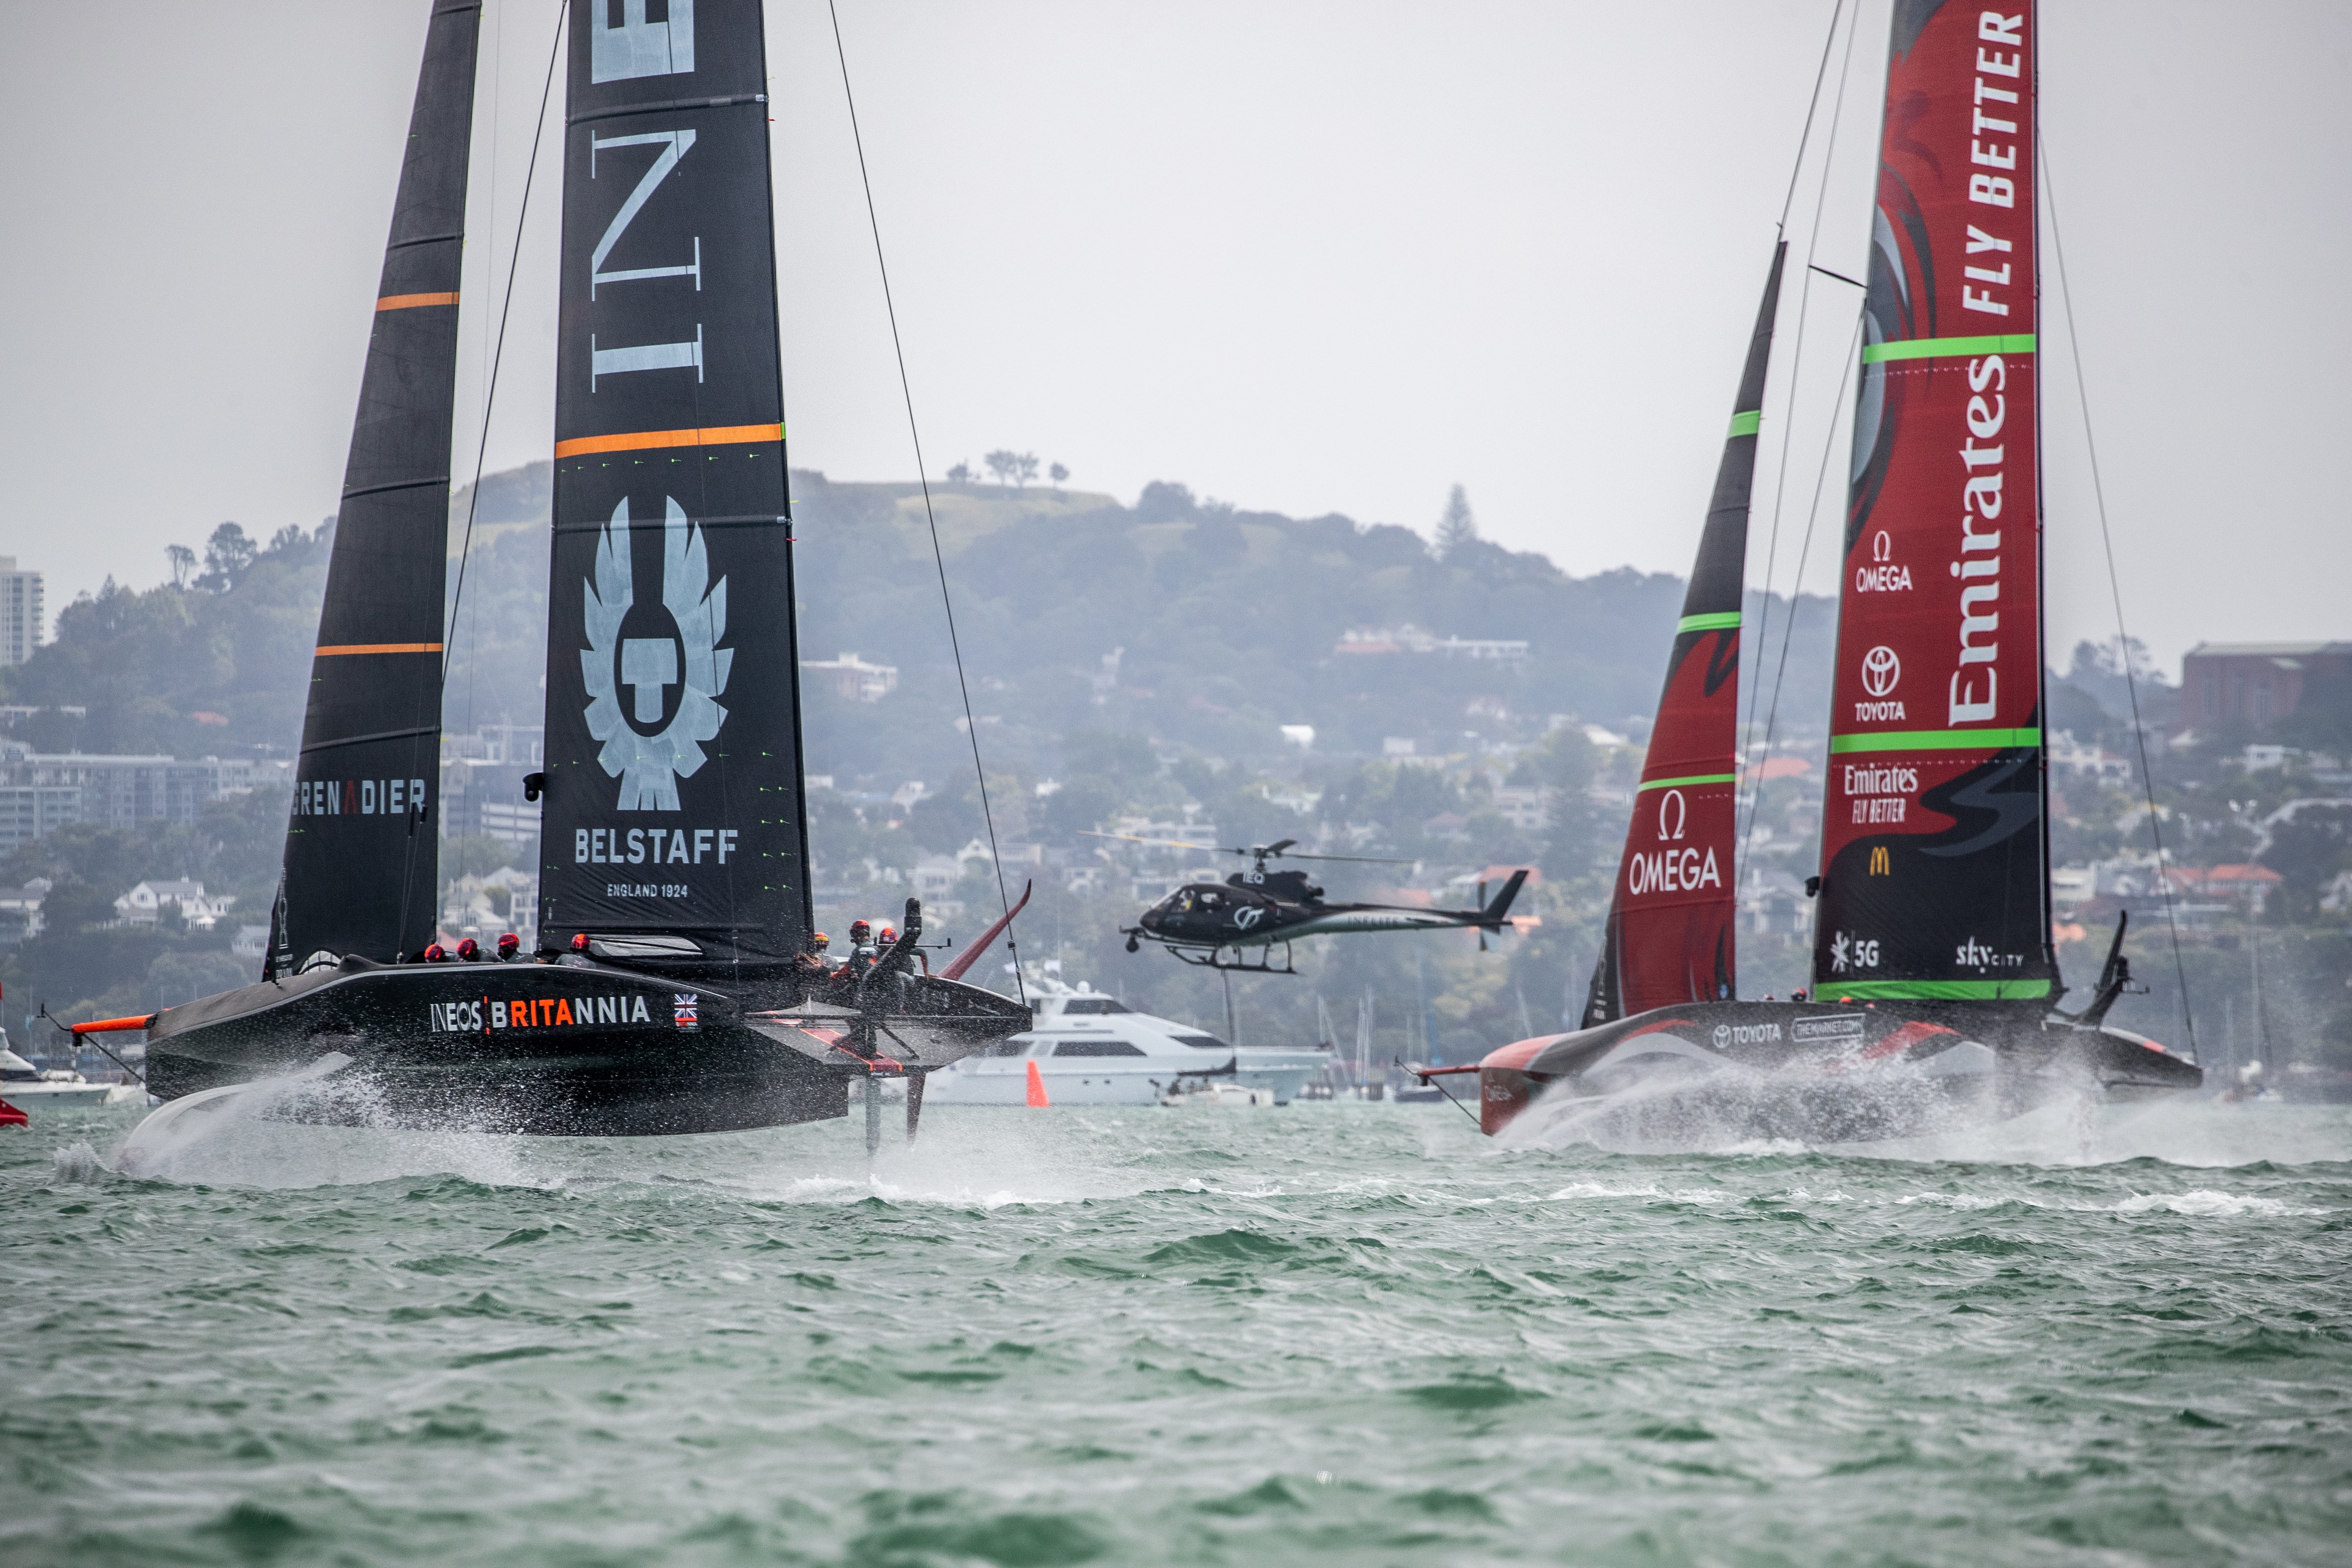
[1331, 1334]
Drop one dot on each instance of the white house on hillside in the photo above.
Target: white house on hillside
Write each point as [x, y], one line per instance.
[146, 903]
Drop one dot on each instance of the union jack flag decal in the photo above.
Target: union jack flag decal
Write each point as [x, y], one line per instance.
[685, 1009]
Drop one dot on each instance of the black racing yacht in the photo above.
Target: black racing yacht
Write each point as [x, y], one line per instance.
[675, 988]
[1935, 984]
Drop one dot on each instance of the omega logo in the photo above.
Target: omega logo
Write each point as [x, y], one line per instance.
[1672, 812]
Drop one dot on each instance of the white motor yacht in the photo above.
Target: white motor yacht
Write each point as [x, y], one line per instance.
[29, 1089]
[1092, 1049]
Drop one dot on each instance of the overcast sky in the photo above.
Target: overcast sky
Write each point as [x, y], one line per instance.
[1303, 257]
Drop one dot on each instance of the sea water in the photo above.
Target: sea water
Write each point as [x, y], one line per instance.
[1336, 1334]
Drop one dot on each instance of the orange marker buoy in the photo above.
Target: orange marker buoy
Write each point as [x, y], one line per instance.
[1037, 1088]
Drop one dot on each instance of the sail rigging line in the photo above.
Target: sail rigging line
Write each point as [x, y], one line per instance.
[1829, 41]
[1789, 404]
[922, 474]
[2114, 589]
[1804, 554]
[498, 355]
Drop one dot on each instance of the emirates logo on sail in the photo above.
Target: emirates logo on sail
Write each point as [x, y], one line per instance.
[1978, 567]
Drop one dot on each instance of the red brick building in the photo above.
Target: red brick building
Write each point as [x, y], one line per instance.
[2254, 682]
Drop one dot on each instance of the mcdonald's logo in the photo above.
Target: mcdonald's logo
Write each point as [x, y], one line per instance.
[1880, 863]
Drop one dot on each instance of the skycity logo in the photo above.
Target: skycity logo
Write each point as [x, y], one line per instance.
[649, 766]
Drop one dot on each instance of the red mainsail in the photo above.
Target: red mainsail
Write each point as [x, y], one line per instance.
[1934, 882]
[1669, 939]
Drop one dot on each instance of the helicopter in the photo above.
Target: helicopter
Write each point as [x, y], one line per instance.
[1204, 923]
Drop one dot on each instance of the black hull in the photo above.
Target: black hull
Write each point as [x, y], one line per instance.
[572, 1049]
[1823, 1073]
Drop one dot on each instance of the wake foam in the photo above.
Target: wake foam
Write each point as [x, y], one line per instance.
[76, 1165]
[306, 1131]
[2072, 1129]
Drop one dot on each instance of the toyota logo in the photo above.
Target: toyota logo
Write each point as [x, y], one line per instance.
[1880, 670]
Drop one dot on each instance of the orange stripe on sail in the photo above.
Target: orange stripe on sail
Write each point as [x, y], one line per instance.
[410, 301]
[330, 650]
[645, 440]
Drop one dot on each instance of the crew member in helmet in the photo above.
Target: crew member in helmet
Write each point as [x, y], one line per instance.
[811, 961]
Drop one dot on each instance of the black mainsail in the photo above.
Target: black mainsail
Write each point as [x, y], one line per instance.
[673, 795]
[362, 867]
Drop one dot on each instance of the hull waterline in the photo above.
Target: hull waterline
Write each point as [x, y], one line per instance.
[1836, 1073]
[575, 1050]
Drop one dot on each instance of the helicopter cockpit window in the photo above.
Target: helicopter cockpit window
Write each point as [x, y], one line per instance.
[1212, 899]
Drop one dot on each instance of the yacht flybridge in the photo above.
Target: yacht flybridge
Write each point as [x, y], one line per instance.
[674, 991]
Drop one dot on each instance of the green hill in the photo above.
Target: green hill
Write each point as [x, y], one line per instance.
[1141, 659]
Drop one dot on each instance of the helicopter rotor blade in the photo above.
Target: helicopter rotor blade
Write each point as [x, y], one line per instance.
[1359, 859]
[1169, 843]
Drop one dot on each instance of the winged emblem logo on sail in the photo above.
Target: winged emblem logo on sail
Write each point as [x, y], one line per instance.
[649, 765]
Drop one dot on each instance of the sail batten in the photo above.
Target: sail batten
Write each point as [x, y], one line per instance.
[1669, 938]
[673, 779]
[1934, 859]
[362, 864]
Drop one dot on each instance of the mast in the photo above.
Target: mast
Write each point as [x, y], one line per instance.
[673, 762]
[1934, 873]
[1669, 938]
[361, 869]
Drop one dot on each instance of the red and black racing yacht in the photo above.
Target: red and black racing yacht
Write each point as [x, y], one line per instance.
[1934, 983]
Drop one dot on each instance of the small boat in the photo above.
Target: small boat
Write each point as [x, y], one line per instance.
[1090, 1048]
[1217, 1093]
[30, 1089]
[1934, 976]
[675, 989]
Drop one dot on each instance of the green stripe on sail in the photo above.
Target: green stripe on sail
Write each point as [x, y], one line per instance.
[1747, 422]
[1932, 991]
[1937, 741]
[1948, 348]
[1709, 623]
[1693, 779]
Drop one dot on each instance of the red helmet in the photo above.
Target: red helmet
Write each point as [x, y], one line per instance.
[860, 932]
[469, 950]
[508, 942]
[889, 935]
[579, 941]
[820, 940]
[436, 953]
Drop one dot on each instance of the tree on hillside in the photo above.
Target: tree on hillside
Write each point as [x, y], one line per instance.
[1457, 527]
[184, 564]
[961, 474]
[71, 906]
[228, 554]
[1012, 467]
[1058, 473]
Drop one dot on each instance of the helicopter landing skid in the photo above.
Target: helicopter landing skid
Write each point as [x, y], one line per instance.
[1214, 958]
